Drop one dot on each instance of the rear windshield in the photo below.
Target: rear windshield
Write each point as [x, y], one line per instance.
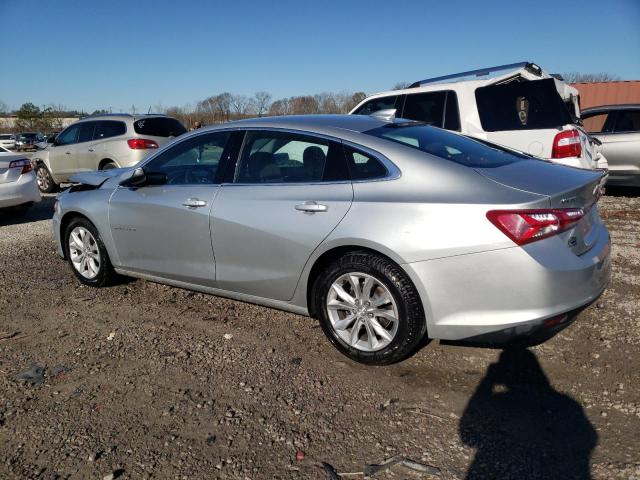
[521, 106]
[6, 137]
[159, 127]
[447, 145]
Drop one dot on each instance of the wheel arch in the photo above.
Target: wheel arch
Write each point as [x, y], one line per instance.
[66, 219]
[323, 259]
[106, 160]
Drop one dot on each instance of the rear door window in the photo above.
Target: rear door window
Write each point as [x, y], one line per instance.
[86, 131]
[377, 104]
[109, 128]
[597, 123]
[425, 107]
[278, 157]
[159, 127]
[525, 105]
[627, 121]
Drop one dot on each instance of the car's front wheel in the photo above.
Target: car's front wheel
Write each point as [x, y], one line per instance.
[369, 308]
[45, 180]
[87, 254]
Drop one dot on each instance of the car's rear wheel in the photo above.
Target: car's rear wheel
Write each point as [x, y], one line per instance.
[108, 166]
[87, 254]
[369, 309]
[44, 179]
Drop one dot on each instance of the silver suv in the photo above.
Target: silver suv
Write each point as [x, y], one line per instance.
[102, 142]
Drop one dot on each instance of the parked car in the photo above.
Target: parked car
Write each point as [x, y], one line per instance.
[8, 141]
[102, 142]
[28, 141]
[517, 105]
[18, 187]
[388, 232]
[618, 128]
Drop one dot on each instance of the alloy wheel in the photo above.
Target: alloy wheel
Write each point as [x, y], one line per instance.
[42, 177]
[84, 252]
[362, 311]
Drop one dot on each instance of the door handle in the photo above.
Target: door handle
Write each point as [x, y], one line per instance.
[67, 153]
[311, 207]
[91, 149]
[195, 203]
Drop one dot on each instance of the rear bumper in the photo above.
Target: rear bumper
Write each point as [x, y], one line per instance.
[508, 294]
[24, 190]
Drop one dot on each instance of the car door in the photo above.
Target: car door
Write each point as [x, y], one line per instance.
[620, 137]
[86, 156]
[288, 192]
[163, 229]
[62, 154]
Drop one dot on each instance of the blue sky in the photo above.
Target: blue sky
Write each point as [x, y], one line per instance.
[88, 54]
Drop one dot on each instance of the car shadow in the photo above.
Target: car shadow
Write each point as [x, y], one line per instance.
[622, 191]
[42, 210]
[522, 428]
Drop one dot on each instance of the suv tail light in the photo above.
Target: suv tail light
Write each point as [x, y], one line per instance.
[25, 165]
[566, 144]
[141, 144]
[525, 226]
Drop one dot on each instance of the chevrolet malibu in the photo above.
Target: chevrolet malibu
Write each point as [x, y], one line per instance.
[388, 231]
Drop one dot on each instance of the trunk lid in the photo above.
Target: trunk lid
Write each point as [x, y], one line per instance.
[566, 187]
[8, 175]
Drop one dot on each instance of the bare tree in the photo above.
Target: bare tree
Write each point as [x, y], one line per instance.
[400, 86]
[4, 108]
[577, 77]
[280, 107]
[304, 104]
[240, 104]
[262, 102]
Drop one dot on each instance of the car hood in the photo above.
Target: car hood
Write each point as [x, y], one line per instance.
[97, 178]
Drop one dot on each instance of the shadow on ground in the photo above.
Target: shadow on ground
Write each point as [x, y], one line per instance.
[39, 211]
[524, 429]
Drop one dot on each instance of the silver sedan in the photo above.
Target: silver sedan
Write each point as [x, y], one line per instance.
[389, 232]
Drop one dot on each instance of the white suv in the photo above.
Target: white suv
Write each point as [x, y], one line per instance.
[518, 106]
[101, 142]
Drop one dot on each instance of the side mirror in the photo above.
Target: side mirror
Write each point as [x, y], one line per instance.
[139, 178]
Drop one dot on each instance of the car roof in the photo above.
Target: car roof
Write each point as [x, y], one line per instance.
[121, 116]
[311, 123]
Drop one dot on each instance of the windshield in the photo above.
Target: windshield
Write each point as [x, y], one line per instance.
[6, 137]
[521, 106]
[29, 135]
[450, 146]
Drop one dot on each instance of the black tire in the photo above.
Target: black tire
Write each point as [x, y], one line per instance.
[108, 166]
[105, 275]
[45, 180]
[412, 326]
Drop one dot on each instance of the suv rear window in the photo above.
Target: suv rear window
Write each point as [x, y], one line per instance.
[377, 104]
[447, 145]
[159, 127]
[521, 106]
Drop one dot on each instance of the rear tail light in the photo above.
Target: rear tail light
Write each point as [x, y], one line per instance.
[525, 226]
[25, 165]
[141, 144]
[566, 144]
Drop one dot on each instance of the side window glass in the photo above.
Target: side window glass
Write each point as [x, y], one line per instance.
[108, 129]
[628, 121]
[274, 157]
[452, 112]
[595, 123]
[86, 132]
[363, 166]
[425, 107]
[192, 162]
[69, 136]
[377, 104]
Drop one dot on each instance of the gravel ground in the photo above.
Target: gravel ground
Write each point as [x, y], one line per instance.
[141, 380]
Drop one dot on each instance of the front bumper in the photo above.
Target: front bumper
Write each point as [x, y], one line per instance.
[24, 190]
[509, 293]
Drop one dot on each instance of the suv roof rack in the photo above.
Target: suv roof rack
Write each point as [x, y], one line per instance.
[530, 67]
[130, 115]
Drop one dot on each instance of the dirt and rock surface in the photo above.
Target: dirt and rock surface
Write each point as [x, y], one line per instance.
[141, 380]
